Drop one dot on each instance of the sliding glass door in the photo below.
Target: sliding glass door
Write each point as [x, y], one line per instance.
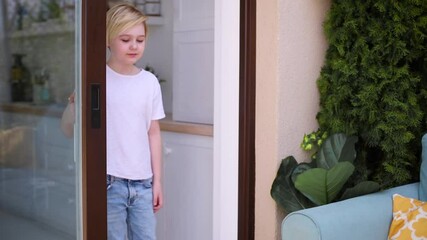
[47, 175]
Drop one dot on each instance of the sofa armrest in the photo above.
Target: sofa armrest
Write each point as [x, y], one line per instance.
[366, 217]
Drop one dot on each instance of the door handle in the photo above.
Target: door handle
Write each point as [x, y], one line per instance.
[95, 105]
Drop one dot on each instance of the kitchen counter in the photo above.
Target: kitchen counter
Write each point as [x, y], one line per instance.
[55, 110]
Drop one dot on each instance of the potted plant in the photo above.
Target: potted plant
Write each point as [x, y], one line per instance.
[327, 178]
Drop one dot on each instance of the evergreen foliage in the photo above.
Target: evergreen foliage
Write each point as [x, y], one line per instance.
[374, 83]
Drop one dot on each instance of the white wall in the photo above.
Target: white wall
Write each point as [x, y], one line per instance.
[159, 52]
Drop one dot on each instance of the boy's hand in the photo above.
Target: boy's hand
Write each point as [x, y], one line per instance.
[71, 98]
[157, 196]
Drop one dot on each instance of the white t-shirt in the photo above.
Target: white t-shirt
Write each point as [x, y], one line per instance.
[133, 101]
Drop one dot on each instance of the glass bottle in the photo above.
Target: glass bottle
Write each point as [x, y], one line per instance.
[21, 85]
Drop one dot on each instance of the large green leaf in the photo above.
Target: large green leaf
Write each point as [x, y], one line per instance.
[321, 185]
[336, 148]
[302, 167]
[360, 189]
[283, 190]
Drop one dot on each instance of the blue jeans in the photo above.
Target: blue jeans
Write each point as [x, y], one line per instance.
[130, 209]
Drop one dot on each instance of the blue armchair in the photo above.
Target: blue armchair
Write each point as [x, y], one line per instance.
[366, 217]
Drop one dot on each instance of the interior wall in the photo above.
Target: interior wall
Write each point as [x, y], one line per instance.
[290, 53]
[159, 52]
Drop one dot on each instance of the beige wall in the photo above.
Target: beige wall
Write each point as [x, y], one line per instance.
[290, 53]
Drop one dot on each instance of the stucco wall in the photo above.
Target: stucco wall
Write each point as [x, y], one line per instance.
[290, 53]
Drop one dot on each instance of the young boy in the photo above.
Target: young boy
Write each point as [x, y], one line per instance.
[134, 106]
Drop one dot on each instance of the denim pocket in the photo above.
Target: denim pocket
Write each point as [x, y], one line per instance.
[147, 183]
[109, 182]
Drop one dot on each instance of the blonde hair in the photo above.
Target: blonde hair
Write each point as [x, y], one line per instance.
[121, 17]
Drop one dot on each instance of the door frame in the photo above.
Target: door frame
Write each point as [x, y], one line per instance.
[234, 125]
[226, 119]
[234, 120]
[247, 111]
[93, 144]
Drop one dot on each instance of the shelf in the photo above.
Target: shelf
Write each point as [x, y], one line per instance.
[47, 28]
[169, 125]
[155, 20]
[43, 29]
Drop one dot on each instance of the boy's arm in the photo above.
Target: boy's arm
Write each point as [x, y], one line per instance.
[156, 163]
[67, 119]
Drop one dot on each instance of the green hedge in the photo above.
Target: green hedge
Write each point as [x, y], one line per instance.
[374, 83]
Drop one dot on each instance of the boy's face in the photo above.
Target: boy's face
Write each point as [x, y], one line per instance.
[128, 47]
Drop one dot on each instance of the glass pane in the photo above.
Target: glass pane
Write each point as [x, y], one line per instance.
[39, 173]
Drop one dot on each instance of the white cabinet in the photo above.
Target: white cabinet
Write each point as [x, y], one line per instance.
[188, 187]
[193, 15]
[193, 50]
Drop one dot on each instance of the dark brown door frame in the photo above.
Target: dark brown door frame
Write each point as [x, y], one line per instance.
[94, 193]
[93, 140]
[246, 212]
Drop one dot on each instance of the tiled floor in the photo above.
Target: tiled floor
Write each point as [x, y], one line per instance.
[16, 228]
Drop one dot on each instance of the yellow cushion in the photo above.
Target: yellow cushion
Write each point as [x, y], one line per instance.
[409, 219]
